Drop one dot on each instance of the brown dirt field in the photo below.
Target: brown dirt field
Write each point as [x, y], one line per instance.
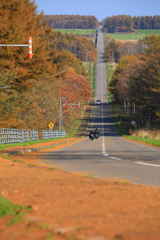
[72, 206]
[126, 40]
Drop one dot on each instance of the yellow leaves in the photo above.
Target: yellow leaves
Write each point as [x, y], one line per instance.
[158, 113]
[156, 90]
[126, 60]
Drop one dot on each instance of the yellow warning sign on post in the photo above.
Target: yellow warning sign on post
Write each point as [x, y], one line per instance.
[51, 125]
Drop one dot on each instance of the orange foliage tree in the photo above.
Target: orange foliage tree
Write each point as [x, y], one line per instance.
[138, 80]
[35, 85]
[76, 88]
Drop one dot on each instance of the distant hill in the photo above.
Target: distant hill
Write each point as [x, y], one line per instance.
[72, 21]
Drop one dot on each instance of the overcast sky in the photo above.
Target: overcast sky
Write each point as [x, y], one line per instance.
[100, 8]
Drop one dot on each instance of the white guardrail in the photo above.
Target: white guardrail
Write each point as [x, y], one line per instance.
[49, 134]
[8, 135]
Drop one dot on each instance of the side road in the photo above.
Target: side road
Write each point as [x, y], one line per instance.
[73, 206]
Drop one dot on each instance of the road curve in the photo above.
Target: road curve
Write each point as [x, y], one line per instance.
[110, 156]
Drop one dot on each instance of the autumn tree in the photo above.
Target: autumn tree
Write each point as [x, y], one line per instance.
[120, 23]
[76, 87]
[138, 80]
[18, 21]
[119, 83]
[32, 99]
[82, 47]
[115, 49]
[9, 101]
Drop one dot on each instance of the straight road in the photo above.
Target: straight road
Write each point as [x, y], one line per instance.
[110, 156]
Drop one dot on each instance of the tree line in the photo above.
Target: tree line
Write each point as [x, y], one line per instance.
[127, 23]
[30, 89]
[82, 47]
[72, 21]
[136, 81]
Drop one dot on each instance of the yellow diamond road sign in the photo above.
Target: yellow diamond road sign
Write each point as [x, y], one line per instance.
[51, 125]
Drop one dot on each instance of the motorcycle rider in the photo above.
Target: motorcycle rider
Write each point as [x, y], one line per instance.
[91, 135]
[96, 133]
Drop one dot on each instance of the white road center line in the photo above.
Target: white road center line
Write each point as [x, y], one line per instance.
[103, 141]
[119, 159]
[105, 154]
[148, 164]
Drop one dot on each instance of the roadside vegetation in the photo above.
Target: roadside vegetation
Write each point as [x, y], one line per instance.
[134, 90]
[7, 208]
[134, 84]
[25, 144]
[124, 128]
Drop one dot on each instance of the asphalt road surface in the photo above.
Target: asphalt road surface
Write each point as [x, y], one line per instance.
[110, 156]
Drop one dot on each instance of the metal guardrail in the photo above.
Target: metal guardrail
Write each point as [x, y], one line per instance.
[25, 135]
[34, 135]
[8, 135]
[49, 134]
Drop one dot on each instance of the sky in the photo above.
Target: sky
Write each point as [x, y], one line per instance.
[100, 8]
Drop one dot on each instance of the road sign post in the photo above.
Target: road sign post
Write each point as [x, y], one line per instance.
[51, 125]
[30, 55]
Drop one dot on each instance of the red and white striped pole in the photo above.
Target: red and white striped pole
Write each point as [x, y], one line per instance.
[30, 55]
[79, 105]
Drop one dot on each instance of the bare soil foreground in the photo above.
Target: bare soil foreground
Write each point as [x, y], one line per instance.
[72, 206]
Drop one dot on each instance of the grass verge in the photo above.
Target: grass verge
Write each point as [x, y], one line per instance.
[153, 142]
[8, 208]
[29, 143]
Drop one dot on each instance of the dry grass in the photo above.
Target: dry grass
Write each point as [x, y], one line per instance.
[145, 133]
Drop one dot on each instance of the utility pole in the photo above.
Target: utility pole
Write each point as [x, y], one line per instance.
[134, 110]
[149, 117]
[60, 105]
[72, 116]
[124, 103]
[60, 111]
